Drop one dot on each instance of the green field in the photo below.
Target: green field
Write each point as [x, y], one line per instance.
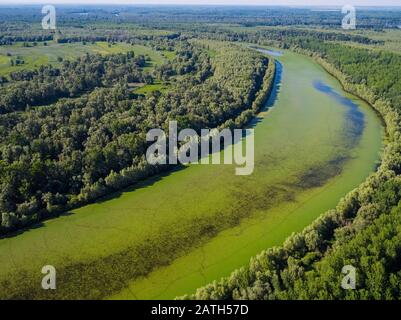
[174, 233]
[169, 55]
[34, 56]
[157, 86]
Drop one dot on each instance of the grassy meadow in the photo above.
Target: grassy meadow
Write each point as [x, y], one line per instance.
[35, 56]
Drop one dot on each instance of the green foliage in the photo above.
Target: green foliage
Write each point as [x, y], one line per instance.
[47, 84]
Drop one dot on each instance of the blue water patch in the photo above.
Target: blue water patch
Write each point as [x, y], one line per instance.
[273, 53]
[271, 100]
[355, 118]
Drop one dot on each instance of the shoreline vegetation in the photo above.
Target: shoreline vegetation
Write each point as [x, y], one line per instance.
[308, 265]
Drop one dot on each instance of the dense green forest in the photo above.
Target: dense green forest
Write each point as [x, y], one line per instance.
[47, 84]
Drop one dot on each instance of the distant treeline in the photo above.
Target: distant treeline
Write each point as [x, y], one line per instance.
[172, 17]
[282, 36]
[8, 40]
[109, 36]
[222, 33]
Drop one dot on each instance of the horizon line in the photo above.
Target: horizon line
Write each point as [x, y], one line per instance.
[71, 3]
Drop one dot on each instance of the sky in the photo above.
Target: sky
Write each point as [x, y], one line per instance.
[218, 2]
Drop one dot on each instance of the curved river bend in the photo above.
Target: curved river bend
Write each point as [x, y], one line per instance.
[313, 145]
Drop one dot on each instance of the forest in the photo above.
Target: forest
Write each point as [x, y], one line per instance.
[48, 84]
